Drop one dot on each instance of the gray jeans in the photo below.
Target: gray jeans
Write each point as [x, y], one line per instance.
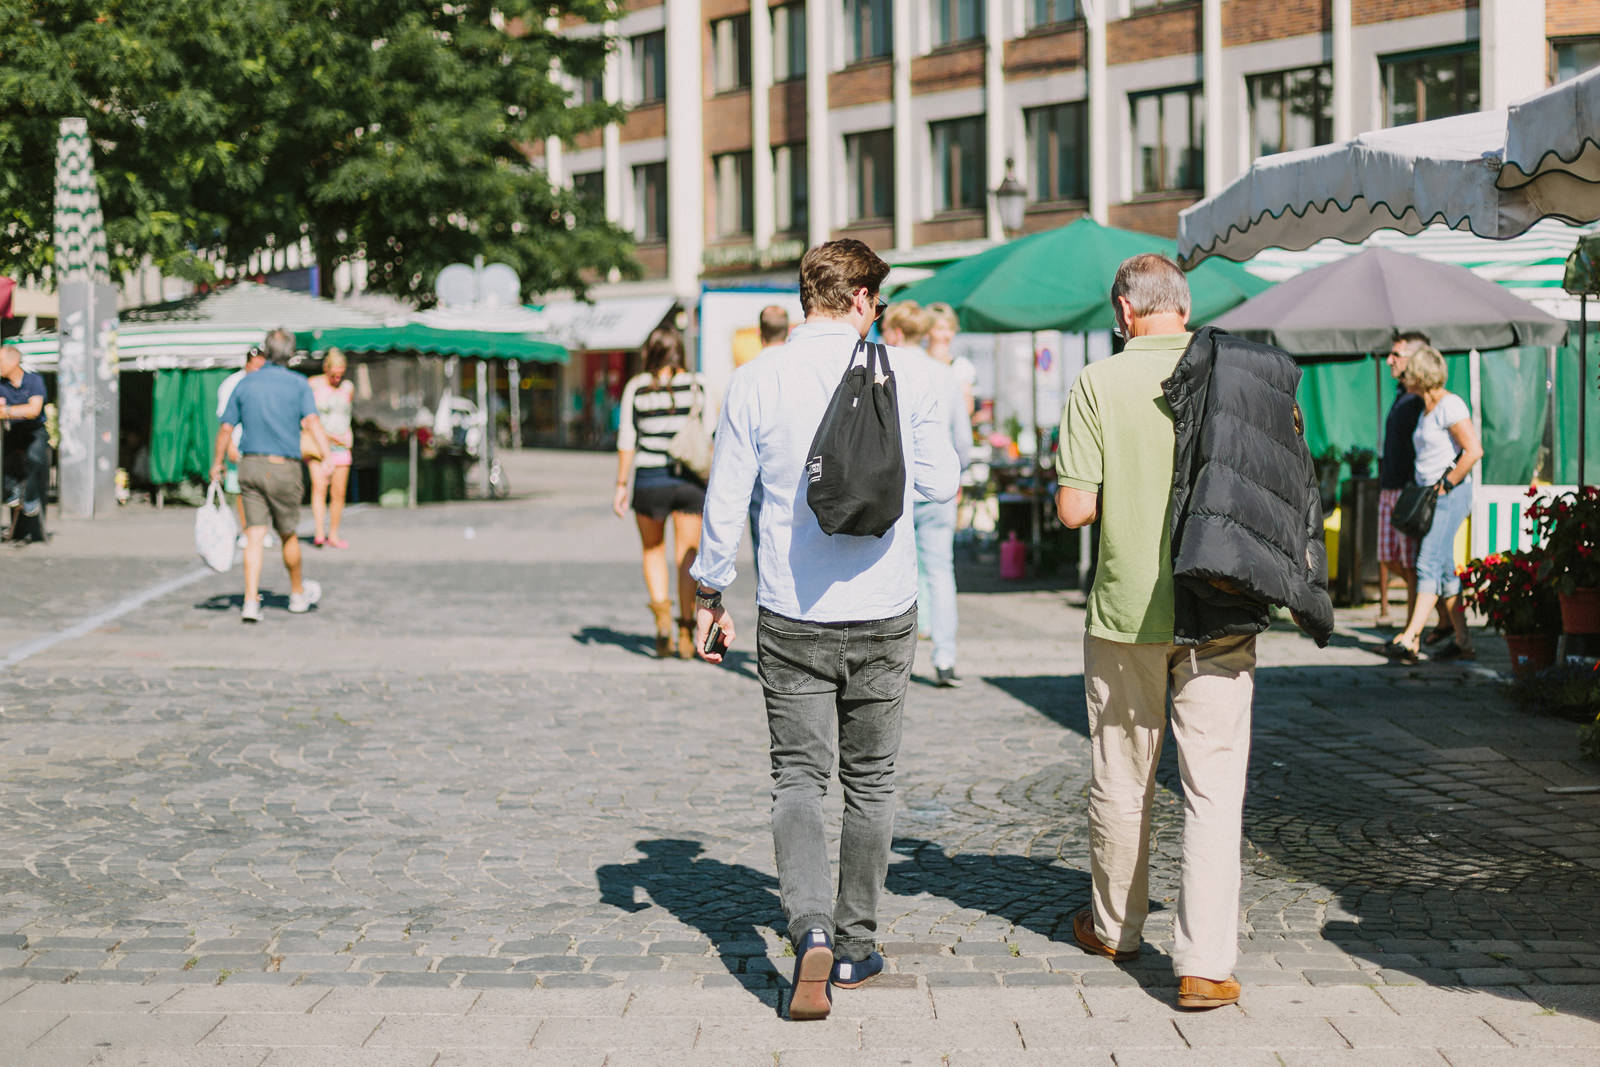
[834, 688]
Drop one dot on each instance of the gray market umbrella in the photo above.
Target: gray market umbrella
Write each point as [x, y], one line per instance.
[1358, 304]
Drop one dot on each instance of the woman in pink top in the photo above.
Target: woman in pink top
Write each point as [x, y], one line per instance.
[330, 477]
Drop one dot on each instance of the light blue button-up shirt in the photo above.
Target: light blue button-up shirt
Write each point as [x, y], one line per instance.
[774, 405]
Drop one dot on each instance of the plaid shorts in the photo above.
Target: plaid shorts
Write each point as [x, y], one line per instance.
[1393, 546]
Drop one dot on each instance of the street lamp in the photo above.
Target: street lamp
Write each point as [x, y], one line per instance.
[1011, 198]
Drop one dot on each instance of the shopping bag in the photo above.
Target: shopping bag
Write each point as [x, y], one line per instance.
[856, 467]
[215, 530]
[691, 445]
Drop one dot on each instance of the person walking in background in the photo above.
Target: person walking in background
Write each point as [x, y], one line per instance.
[904, 324]
[25, 477]
[655, 405]
[1116, 466]
[836, 619]
[273, 404]
[774, 326]
[1447, 449]
[1397, 553]
[330, 476]
[936, 520]
[253, 361]
[943, 325]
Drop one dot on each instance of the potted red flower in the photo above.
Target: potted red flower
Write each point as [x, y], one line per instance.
[1567, 527]
[1512, 593]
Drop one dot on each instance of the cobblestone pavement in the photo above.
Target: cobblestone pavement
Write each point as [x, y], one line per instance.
[457, 815]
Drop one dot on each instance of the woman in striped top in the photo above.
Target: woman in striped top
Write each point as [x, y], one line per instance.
[654, 406]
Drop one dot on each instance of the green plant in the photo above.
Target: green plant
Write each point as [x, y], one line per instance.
[1509, 590]
[1566, 691]
[1360, 461]
[1589, 740]
[1567, 526]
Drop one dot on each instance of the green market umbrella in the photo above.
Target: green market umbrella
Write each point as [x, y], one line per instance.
[429, 340]
[1061, 280]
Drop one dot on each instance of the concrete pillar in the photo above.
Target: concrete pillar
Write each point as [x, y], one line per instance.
[616, 181]
[1100, 112]
[906, 170]
[1513, 59]
[686, 162]
[819, 140]
[762, 184]
[1217, 169]
[1344, 74]
[994, 92]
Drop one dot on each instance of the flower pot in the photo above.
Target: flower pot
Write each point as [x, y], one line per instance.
[1580, 612]
[1530, 653]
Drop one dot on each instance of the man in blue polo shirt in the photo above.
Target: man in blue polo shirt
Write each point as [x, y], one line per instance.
[26, 446]
[273, 405]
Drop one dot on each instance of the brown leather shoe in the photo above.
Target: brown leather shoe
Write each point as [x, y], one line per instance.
[1089, 941]
[1201, 993]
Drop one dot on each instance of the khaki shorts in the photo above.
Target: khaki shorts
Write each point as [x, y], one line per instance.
[271, 487]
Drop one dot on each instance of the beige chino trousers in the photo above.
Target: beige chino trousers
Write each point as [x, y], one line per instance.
[1211, 688]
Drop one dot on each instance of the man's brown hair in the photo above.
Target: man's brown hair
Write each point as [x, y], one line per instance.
[774, 325]
[831, 273]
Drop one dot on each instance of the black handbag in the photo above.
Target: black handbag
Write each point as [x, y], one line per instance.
[1413, 511]
[856, 466]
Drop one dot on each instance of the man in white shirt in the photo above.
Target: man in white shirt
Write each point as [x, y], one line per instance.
[836, 629]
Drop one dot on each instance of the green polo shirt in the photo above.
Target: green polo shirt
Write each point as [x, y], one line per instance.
[1117, 440]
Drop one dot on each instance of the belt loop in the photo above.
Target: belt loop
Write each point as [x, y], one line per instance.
[1194, 660]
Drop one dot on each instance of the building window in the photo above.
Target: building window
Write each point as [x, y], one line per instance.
[958, 164]
[649, 54]
[1434, 85]
[1291, 109]
[1151, 5]
[867, 28]
[591, 186]
[650, 202]
[789, 187]
[1058, 146]
[1169, 134]
[735, 198]
[788, 42]
[869, 158]
[955, 20]
[591, 90]
[730, 50]
[1050, 12]
[1574, 55]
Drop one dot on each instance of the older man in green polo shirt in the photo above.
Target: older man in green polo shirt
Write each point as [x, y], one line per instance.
[1115, 466]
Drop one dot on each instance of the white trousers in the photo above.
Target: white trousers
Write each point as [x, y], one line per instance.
[1211, 688]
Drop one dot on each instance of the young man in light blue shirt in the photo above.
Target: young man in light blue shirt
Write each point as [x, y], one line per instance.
[836, 628]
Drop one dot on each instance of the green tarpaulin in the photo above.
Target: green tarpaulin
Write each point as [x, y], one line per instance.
[1566, 405]
[184, 424]
[1341, 406]
[429, 341]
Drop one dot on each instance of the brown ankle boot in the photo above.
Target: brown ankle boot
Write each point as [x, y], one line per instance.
[662, 609]
[686, 639]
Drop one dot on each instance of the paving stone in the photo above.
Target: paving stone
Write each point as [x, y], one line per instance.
[410, 980]
[411, 1031]
[357, 1057]
[1214, 1030]
[232, 998]
[658, 1032]
[90, 999]
[107, 1030]
[878, 1035]
[1371, 1032]
[1527, 1029]
[1111, 1035]
[282, 1030]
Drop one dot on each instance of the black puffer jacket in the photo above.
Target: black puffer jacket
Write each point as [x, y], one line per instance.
[1246, 518]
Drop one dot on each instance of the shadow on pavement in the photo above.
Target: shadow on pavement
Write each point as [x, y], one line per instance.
[729, 903]
[235, 601]
[1389, 813]
[645, 645]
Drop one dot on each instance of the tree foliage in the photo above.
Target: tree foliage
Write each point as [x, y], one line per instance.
[397, 129]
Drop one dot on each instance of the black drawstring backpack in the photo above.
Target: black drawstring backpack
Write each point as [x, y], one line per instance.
[856, 468]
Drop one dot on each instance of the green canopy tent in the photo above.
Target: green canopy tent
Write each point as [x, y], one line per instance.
[1061, 280]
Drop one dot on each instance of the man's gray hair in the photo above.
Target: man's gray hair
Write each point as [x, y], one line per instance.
[1153, 284]
[278, 347]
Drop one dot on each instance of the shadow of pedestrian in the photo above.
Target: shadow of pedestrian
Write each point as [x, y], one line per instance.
[645, 645]
[235, 601]
[728, 903]
[1037, 894]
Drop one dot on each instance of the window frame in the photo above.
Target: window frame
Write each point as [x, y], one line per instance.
[1325, 100]
[860, 189]
[799, 221]
[794, 15]
[944, 171]
[1194, 92]
[725, 32]
[944, 18]
[741, 164]
[638, 66]
[1459, 52]
[852, 43]
[641, 172]
[1556, 43]
[597, 194]
[1037, 158]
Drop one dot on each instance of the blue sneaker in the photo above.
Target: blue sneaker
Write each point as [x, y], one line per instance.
[849, 974]
[810, 996]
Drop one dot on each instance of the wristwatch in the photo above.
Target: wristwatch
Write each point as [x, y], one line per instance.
[711, 599]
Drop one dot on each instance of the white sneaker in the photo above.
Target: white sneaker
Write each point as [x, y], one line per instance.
[300, 603]
[241, 541]
[251, 612]
[270, 541]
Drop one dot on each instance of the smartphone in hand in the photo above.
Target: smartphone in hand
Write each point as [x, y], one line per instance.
[715, 645]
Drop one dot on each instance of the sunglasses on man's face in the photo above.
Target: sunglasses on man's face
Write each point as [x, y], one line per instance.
[882, 307]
